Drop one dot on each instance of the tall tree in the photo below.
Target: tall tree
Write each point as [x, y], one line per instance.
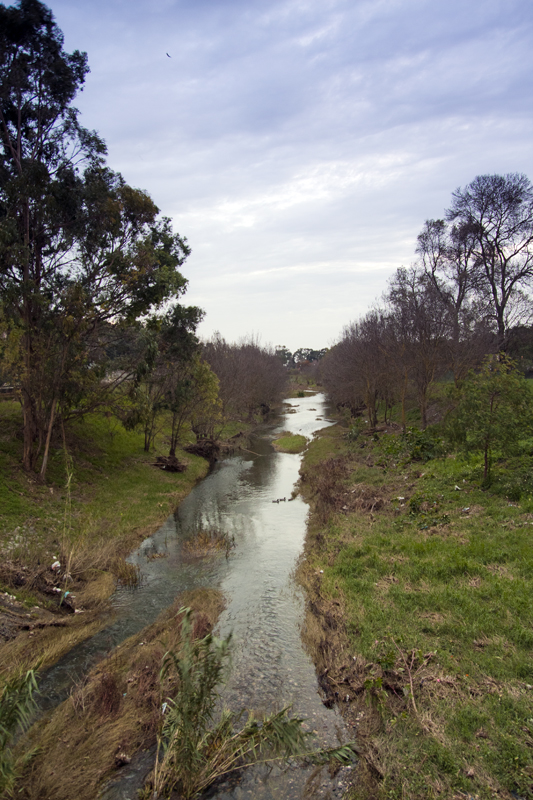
[78, 247]
[418, 331]
[449, 261]
[495, 214]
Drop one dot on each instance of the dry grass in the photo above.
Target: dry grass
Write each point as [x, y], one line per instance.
[205, 542]
[113, 713]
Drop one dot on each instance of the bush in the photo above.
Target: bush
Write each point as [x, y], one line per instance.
[415, 445]
[493, 412]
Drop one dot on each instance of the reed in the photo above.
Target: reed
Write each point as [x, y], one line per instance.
[194, 750]
[16, 706]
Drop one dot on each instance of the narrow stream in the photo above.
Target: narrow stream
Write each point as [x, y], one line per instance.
[264, 605]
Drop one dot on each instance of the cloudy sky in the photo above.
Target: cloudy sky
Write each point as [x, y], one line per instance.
[301, 144]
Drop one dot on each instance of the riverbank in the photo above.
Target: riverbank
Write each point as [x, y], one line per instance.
[420, 618]
[64, 544]
[113, 713]
[93, 733]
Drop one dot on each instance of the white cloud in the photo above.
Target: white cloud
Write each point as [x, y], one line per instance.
[300, 145]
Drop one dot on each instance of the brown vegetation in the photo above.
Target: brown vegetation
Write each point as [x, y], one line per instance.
[113, 713]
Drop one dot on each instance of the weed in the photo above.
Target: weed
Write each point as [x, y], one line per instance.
[107, 696]
[126, 574]
[414, 445]
[16, 706]
[354, 431]
[212, 541]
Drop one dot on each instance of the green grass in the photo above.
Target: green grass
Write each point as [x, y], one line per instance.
[113, 484]
[446, 571]
[290, 443]
[114, 498]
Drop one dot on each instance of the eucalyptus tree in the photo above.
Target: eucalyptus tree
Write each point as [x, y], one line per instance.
[165, 379]
[79, 249]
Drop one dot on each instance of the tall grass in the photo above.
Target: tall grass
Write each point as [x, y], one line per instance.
[194, 749]
[16, 705]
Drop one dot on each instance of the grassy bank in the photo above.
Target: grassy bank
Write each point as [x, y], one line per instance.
[289, 442]
[421, 588]
[98, 503]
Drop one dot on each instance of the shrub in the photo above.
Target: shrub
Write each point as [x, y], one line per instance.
[16, 706]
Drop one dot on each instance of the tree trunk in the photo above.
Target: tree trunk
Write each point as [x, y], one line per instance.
[404, 413]
[486, 470]
[48, 437]
[29, 431]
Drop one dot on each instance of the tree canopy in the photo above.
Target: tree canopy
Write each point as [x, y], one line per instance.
[81, 253]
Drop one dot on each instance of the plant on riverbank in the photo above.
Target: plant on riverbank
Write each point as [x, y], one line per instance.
[289, 442]
[16, 705]
[493, 411]
[113, 712]
[424, 620]
[194, 750]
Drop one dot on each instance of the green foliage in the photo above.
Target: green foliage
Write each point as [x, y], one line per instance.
[81, 253]
[493, 412]
[194, 750]
[414, 445]
[355, 429]
[16, 706]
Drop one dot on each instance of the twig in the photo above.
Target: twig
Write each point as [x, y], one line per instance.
[411, 674]
[14, 490]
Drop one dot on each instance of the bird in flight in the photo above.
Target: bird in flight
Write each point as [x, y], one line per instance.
[169, 56]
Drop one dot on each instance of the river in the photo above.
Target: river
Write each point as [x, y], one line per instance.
[264, 606]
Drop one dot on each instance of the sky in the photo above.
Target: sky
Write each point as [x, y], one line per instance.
[300, 145]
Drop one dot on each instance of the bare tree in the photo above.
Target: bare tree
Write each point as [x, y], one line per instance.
[252, 377]
[355, 370]
[418, 332]
[495, 214]
[449, 262]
